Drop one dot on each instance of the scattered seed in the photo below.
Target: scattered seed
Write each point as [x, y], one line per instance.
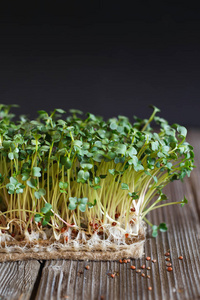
[169, 269]
[180, 257]
[167, 259]
[148, 276]
[133, 267]
[168, 264]
[112, 275]
[87, 267]
[126, 235]
[133, 209]
[128, 260]
[114, 223]
[120, 261]
[150, 288]
[153, 260]
[148, 258]
[125, 261]
[148, 268]
[143, 275]
[63, 229]
[138, 271]
[143, 267]
[167, 254]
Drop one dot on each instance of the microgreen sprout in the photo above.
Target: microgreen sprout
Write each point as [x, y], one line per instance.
[89, 173]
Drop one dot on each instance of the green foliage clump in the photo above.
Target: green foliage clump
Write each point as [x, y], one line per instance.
[80, 172]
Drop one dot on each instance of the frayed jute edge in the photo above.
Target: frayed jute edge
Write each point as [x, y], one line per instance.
[130, 251]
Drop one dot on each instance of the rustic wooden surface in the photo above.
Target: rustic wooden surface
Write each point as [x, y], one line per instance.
[70, 280]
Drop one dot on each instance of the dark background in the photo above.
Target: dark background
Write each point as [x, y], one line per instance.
[105, 57]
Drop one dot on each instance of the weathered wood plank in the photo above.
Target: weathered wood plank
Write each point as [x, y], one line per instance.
[62, 279]
[17, 279]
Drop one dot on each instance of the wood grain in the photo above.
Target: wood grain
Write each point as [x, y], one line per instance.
[17, 279]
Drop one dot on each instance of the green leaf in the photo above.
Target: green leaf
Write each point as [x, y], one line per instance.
[36, 171]
[134, 195]
[32, 183]
[162, 227]
[113, 126]
[184, 201]
[83, 200]
[121, 149]
[124, 186]
[63, 185]
[11, 155]
[182, 130]
[72, 206]
[82, 207]
[112, 171]
[46, 208]
[90, 205]
[37, 218]
[13, 180]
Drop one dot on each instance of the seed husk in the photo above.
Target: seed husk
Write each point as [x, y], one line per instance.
[167, 259]
[150, 288]
[128, 260]
[148, 276]
[138, 271]
[125, 261]
[148, 268]
[168, 264]
[143, 267]
[87, 267]
[167, 254]
[148, 258]
[154, 260]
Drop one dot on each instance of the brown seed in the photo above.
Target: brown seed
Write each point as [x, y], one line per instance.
[114, 223]
[148, 268]
[66, 238]
[120, 261]
[112, 275]
[148, 276]
[167, 254]
[143, 275]
[133, 267]
[180, 257]
[150, 288]
[125, 261]
[87, 267]
[167, 259]
[138, 271]
[153, 260]
[148, 258]
[143, 267]
[128, 260]
[13, 234]
[168, 264]
[126, 235]
[169, 269]
[102, 298]
[133, 209]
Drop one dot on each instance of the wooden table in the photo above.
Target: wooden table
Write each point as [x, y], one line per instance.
[70, 280]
